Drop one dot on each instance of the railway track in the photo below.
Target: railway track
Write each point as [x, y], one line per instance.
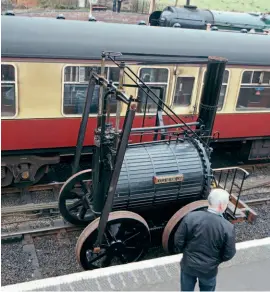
[59, 224]
[56, 186]
[49, 211]
[52, 207]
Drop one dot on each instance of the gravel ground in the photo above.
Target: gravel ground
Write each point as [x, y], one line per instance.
[36, 197]
[56, 254]
[40, 197]
[249, 195]
[16, 265]
[9, 200]
[260, 229]
[23, 222]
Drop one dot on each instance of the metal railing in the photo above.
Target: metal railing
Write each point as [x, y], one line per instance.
[232, 180]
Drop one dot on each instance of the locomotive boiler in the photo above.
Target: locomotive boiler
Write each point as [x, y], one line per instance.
[134, 188]
[192, 17]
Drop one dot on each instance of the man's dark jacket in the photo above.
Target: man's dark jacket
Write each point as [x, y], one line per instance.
[206, 240]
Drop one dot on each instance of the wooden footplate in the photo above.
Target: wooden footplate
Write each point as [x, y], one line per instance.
[243, 211]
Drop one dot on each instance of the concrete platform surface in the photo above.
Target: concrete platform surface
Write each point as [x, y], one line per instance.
[249, 270]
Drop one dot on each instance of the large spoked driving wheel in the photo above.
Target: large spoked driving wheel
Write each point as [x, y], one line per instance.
[125, 240]
[173, 223]
[75, 199]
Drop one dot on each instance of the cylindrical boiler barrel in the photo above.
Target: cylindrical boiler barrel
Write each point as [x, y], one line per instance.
[162, 173]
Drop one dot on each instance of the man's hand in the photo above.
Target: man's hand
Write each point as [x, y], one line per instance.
[229, 249]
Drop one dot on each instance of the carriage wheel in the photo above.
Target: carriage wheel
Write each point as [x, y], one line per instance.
[8, 180]
[173, 223]
[125, 240]
[75, 198]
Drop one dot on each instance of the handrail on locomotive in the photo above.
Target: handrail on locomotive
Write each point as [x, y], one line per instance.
[111, 167]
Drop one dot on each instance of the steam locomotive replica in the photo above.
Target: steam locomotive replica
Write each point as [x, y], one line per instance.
[192, 17]
[134, 189]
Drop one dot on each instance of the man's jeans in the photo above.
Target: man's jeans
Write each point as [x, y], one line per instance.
[188, 283]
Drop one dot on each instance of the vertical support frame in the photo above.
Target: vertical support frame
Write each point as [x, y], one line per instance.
[121, 149]
[120, 88]
[210, 94]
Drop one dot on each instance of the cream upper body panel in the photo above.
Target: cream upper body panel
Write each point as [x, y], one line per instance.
[40, 88]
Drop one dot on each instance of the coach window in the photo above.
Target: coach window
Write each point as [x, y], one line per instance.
[183, 91]
[76, 80]
[157, 80]
[8, 90]
[223, 89]
[254, 92]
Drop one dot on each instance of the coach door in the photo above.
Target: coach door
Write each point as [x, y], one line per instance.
[186, 89]
[156, 78]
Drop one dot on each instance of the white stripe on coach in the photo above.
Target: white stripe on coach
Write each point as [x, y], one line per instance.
[86, 275]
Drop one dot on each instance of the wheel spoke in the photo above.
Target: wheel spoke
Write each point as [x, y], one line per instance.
[85, 187]
[74, 205]
[132, 236]
[107, 260]
[106, 238]
[71, 195]
[131, 247]
[110, 235]
[121, 231]
[96, 258]
[82, 212]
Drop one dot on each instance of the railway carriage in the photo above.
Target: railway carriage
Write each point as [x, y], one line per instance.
[45, 70]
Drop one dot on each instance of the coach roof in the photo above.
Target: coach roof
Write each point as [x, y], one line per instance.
[38, 37]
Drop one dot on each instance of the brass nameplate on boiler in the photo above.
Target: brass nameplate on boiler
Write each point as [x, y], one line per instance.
[168, 179]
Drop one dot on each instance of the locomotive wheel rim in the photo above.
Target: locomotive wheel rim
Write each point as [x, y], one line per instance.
[67, 191]
[116, 217]
[175, 220]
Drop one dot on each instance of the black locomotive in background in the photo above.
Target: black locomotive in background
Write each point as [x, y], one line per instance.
[190, 16]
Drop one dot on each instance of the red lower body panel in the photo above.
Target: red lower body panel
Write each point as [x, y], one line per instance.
[54, 133]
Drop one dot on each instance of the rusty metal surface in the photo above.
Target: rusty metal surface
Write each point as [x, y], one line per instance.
[250, 215]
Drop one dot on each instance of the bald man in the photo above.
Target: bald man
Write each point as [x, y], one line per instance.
[206, 239]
